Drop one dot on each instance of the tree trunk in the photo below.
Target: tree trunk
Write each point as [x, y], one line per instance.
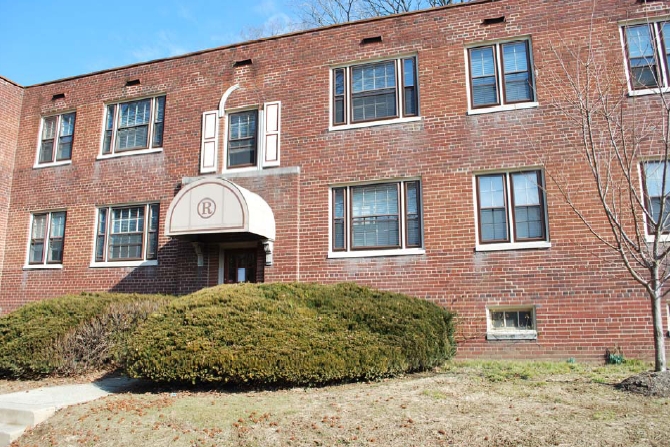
[659, 336]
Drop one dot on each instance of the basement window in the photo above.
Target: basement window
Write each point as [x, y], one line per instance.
[511, 323]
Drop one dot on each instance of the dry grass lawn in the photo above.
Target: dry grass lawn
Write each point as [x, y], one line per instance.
[463, 404]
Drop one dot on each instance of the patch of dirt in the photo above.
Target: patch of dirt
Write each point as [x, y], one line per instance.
[450, 408]
[656, 384]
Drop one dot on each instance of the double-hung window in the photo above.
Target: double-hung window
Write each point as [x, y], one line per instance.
[501, 75]
[134, 125]
[127, 233]
[242, 139]
[382, 216]
[375, 91]
[47, 234]
[56, 139]
[657, 194]
[510, 209]
[647, 48]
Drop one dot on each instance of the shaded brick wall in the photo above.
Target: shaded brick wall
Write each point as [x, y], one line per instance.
[584, 301]
[11, 96]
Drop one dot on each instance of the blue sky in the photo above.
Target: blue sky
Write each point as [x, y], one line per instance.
[47, 40]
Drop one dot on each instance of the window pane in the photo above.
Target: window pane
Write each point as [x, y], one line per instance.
[49, 128]
[493, 224]
[373, 77]
[641, 56]
[375, 221]
[526, 188]
[528, 221]
[491, 191]
[498, 319]
[381, 231]
[55, 251]
[654, 176]
[517, 87]
[67, 124]
[515, 57]
[158, 122]
[243, 125]
[525, 319]
[132, 137]
[57, 225]
[46, 151]
[375, 200]
[374, 106]
[64, 148]
[36, 252]
[134, 113]
[39, 226]
[482, 62]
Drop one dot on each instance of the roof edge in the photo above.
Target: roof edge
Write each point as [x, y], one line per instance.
[249, 42]
[11, 82]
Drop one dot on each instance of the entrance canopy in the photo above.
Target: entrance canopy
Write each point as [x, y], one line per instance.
[218, 206]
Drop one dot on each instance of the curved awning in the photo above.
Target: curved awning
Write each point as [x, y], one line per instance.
[218, 206]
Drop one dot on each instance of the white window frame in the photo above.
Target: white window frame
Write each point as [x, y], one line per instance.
[511, 333]
[259, 137]
[660, 57]
[128, 152]
[145, 236]
[502, 107]
[37, 164]
[399, 94]
[512, 244]
[47, 231]
[665, 237]
[403, 250]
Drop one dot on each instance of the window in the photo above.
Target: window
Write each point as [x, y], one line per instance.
[647, 54]
[127, 233]
[369, 92]
[381, 216]
[47, 234]
[56, 138]
[500, 74]
[134, 125]
[242, 139]
[511, 324]
[515, 217]
[657, 192]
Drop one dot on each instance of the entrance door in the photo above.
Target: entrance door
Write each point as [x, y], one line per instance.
[239, 265]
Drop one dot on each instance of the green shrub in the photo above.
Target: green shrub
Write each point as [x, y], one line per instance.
[68, 335]
[289, 334]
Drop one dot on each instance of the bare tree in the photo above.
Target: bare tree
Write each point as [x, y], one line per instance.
[624, 143]
[273, 27]
[315, 13]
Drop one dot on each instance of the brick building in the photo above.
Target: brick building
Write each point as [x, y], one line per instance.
[409, 153]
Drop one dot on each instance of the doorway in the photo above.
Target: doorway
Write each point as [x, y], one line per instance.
[239, 265]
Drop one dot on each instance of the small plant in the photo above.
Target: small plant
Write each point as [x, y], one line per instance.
[614, 356]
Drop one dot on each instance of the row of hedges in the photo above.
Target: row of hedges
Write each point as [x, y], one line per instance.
[281, 334]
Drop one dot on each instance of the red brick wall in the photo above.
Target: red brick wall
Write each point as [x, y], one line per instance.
[11, 96]
[584, 301]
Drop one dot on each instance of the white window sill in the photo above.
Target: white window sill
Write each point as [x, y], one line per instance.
[511, 335]
[43, 267]
[123, 264]
[649, 91]
[374, 123]
[504, 108]
[663, 238]
[244, 169]
[376, 253]
[51, 165]
[512, 246]
[128, 153]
